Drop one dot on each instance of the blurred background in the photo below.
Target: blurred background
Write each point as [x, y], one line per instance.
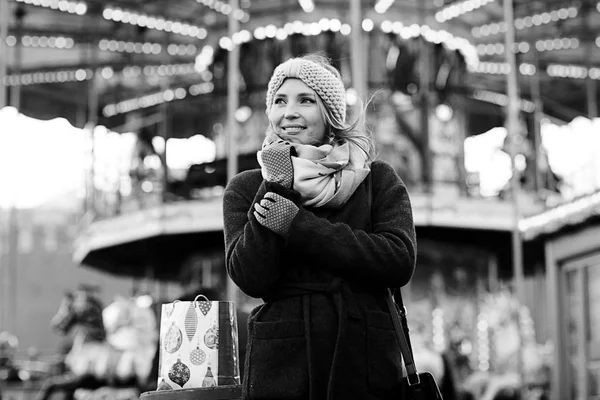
[122, 121]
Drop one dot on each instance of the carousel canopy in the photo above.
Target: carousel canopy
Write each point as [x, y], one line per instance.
[131, 65]
[127, 57]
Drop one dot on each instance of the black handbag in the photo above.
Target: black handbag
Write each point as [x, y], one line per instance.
[415, 386]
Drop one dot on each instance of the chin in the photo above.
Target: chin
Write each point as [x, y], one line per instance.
[290, 138]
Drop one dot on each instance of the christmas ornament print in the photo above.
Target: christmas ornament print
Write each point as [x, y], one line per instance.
[169, 309]
[179, 373]
[173, 339]
[211, 338]
[209, 379]
[191, 322]
[204, 306]
[197, 356]
[163, 385]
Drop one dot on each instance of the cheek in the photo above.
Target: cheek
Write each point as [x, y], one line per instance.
[273, 116]
[319, 124]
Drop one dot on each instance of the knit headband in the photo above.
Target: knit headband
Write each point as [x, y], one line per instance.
[324, 82]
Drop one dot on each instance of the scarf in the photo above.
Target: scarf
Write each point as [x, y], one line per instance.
[325, 175]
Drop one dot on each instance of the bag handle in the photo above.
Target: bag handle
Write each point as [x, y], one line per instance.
[398, 315]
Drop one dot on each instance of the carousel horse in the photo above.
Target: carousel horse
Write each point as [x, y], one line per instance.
[113, 346]
[438, 364]
[519, 366]
[426, 357]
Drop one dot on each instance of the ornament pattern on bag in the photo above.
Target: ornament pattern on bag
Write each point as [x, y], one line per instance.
[169, 309]
[179, 373]
[211, 338]
[191, 322]
[164, 385]
[209, 379]
[204, 306]
[173, 339]
[197, 356]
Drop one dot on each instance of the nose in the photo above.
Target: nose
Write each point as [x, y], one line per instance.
[291, 111]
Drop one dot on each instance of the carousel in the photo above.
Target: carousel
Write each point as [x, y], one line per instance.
[140, 76]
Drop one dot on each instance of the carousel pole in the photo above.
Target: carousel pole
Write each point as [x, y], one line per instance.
[357, 50]
[591, 88]
[538, 114]
[13, 213]
[512, 126]
[424, 95]
[92, 121]
[233, 61]
[15, 92]
[4, 239]
[163, 132]
[4, 14]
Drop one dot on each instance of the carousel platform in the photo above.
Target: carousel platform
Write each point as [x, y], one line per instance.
[163, 235]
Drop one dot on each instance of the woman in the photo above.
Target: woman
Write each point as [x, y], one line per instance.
[319, 233]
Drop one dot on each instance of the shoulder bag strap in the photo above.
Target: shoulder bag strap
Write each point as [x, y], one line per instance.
[397, 298]
[401, 328]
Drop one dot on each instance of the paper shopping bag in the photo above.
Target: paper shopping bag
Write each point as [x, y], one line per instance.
[198, 344]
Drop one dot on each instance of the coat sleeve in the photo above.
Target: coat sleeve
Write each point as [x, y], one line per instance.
[385, 256]
[252, 252]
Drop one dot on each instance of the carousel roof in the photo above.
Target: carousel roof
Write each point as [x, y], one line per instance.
[121, 60]
[575, 214]
[151, 52]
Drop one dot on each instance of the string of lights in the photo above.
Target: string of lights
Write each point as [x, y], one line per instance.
[33, 78]
[458, 9]
[71, 7]
[226, 9]
[60, 42]
[55, 42]
[529, 21]
[153, 99]
[121, 46]
[80, 75]
[553, 70]
[573, 71]
[335, 25]
[501, 99]
[153, 22]
[483, 342]
[487, 49]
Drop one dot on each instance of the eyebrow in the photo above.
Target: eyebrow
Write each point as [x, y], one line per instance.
[303, 94]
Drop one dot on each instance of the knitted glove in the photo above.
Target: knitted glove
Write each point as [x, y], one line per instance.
[276, 213]
[277, 161]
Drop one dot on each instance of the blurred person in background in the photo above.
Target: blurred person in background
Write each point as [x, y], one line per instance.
[320, 233]
[8, 348]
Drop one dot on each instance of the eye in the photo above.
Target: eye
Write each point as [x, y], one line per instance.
[309, 100]
[278, 100]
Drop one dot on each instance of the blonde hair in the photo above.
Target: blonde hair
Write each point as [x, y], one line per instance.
[341, 131]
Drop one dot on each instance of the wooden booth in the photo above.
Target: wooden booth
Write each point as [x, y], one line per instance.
[570, 234]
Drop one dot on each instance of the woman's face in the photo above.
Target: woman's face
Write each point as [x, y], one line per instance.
[295, 114]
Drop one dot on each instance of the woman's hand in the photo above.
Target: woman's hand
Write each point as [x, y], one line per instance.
[275, 213]
[277, 160]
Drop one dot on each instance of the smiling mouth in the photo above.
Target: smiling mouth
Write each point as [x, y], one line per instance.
[292, 128]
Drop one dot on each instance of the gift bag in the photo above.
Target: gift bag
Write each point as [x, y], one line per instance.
[198, 344]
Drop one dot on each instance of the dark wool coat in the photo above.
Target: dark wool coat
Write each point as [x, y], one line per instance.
[324, 331]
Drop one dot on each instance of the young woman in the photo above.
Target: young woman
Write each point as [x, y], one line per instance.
[319, 233]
